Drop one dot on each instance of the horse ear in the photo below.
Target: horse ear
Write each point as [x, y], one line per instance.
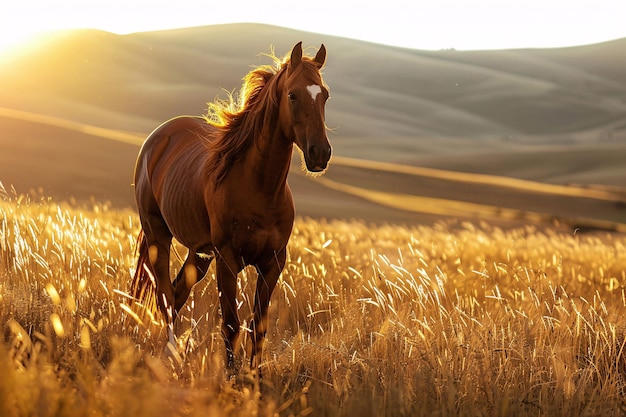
[320, 57]
[296, 56]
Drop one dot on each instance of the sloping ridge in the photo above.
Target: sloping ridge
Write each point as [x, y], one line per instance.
[463, 177]
[407, 202]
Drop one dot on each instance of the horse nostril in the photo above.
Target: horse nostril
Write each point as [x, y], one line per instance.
[319, 152]
[327, 152]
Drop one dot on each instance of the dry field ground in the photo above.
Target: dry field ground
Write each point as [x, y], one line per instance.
[464, 255]
[452, 319]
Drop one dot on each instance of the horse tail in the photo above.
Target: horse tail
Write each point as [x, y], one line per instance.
[143, 285]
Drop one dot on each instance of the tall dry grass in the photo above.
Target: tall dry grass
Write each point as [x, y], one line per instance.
[457, 319]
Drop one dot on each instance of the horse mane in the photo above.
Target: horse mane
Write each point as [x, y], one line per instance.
[238, 121]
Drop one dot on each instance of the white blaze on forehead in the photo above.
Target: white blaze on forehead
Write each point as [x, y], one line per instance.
[314, 90]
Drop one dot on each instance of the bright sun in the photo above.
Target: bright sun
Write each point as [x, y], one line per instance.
[14, 41]
[24, 21]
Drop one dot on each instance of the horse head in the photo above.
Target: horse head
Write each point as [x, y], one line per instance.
[304, 96]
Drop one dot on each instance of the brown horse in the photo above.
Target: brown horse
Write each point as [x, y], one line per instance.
[219, 186]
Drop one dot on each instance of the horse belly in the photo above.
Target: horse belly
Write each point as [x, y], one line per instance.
[185, 213]
[182, 204]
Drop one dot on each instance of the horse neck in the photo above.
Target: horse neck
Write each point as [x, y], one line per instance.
[269, 160]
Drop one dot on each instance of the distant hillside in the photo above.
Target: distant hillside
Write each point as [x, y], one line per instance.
[555, 116]
[378, 92]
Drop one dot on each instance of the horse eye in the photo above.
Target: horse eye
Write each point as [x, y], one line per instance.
[291, 96]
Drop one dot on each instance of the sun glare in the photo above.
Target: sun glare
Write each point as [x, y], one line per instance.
[18, 30]
[24, 23]
[446, 24]
[14, 41]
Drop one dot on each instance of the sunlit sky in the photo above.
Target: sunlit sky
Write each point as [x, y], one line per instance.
[434, 24]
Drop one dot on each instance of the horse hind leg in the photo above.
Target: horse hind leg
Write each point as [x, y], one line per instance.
[160, 259]
[159, 240]
[193, 270]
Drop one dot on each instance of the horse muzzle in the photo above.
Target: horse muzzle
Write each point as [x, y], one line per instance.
[317, 156]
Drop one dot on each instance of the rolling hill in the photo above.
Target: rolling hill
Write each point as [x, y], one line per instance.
[555, 116]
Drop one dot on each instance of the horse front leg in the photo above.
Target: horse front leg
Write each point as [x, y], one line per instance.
[268, 274]
[227, 269]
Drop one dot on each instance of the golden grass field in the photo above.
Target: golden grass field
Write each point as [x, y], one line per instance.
[455, 319]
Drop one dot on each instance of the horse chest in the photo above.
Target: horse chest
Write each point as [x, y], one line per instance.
[255, 239]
